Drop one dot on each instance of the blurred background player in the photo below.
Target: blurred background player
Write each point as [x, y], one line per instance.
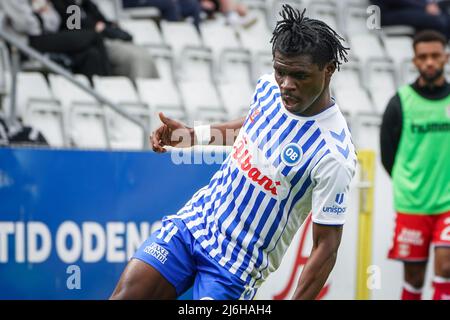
[293, 155]
[415, 149]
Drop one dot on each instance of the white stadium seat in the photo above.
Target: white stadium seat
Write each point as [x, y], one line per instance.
[381, 82]
[399, 50]
[193, 61]
[273, 7]
[367, 47]
[325, 11]
[202, 101]
[48, 120]
[231, 61]
[145, 32]
[219, 37]
[236, 98]
[119, 90]
[165, 64]
[68, 93]
[161, 96]
[354, 101]
[124, 134]
[354, 16]
[349, 76]
[409, 73]
[4, 70]
[32, 89]
[87, 127]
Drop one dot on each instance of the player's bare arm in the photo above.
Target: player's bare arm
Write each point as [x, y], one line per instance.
[326, 240]
[174, 133]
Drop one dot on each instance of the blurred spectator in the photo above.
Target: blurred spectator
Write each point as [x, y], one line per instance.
[171, 10]
[38, 23]
[235, 13]
[420, 14]
[127, 59]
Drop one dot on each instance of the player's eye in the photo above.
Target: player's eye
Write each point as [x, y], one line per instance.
[300, 76]
[280, 73]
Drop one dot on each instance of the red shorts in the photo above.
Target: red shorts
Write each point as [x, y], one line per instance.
[414, 233]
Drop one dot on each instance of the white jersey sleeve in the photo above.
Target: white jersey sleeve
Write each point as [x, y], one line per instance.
[331, 182]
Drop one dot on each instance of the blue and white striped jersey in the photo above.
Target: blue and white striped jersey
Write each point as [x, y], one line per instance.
[282, 167]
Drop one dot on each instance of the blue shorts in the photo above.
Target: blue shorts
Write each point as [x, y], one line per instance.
[180, 259]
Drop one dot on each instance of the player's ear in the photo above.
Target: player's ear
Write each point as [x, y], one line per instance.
[330, 68]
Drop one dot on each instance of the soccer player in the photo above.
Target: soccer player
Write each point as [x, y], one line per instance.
[415, 150]
[293, 155]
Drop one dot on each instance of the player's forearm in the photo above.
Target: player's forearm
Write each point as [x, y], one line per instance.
[315, 273]
[225, 133]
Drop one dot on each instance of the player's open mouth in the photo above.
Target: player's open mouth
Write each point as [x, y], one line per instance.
[289, 102]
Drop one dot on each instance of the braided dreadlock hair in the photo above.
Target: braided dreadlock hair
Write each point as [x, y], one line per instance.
[296, 34]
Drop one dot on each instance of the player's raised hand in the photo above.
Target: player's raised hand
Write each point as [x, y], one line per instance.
[171, 133]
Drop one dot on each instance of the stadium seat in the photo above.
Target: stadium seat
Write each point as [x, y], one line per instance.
[349, 76]
[84, 116]
[231, 61]
[193, 61]
[145, 32]
[32, 90]
[202, 102]
[256, 39]
[119, 90]
[273, 7]
[409, 73]
[165, 64]
[236, 99]
[327, 12]
[71, 96]
[4, 70]
[381, 82]
[87, 127]
[365, 131]
[124, 134]
[354, 17]
[354, 101]
[68, 93]
[161, 96]
[367, 47]
[399, 50]
[48, 120]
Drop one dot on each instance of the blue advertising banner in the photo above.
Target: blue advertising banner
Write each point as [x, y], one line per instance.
[70, 219]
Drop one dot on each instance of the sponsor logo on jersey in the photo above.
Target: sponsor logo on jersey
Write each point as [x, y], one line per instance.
[411, 236]
[339, 198]
[334, 209]
[430, 127]
[244, 160]
[157, 251]
[291, 154]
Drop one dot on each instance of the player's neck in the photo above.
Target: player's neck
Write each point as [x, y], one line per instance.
[436, 83]
[323, 102]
